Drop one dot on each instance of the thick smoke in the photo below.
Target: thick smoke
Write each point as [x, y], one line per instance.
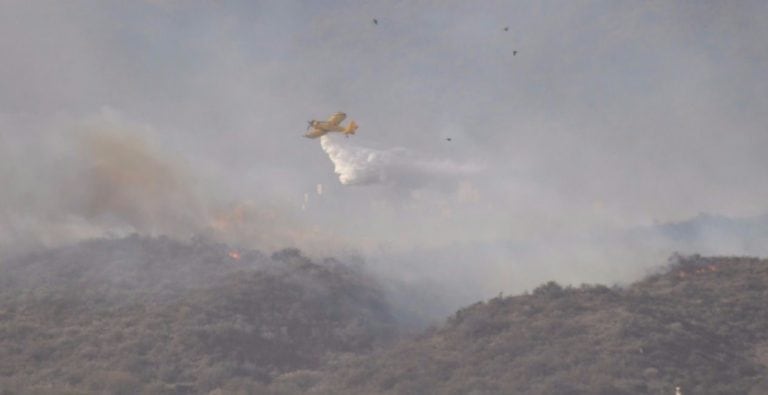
[91, 178]
[127, 181]
[397, 167]
[659, 117]
[105, 176]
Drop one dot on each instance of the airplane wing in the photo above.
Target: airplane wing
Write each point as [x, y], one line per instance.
[315, 133]
[336, 119]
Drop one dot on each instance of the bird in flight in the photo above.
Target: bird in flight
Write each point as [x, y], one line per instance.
[447, 139]
[514, 53]
[506, 28]
[375, 21]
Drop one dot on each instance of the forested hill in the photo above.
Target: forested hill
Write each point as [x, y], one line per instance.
[142, 315]
[156, 316]
[702, 325]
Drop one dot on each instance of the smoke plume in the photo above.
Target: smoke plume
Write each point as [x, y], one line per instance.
[101, 176]
[107, 176]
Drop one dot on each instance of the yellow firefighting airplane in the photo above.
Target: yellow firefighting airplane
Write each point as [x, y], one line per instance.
[333, 124]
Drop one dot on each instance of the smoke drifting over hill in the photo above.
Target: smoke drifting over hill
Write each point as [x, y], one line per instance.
[106, 176]
[155, 192]
[164, 117]
[100, 176]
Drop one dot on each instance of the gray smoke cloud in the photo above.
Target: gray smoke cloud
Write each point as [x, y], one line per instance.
[89, 177]
[104, 175]
[399, 167]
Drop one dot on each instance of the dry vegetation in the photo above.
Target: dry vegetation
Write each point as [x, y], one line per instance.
[702, 325]
[156, 316]
[143, 315]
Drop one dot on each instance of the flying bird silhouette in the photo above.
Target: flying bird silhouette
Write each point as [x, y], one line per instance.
[375, 21]
[506, 28]
[514, 53]
[447, 139]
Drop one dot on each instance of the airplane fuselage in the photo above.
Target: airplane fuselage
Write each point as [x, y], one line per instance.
[333, 124]
[320, 128]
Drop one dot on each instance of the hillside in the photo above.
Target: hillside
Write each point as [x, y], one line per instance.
[143, 315]
[702, 325]
[153, 315]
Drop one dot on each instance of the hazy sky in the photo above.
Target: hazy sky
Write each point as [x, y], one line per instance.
[167, 116]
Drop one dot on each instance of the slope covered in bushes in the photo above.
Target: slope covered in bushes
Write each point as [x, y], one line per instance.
[153, 315]
[702, 325]
[157, 316]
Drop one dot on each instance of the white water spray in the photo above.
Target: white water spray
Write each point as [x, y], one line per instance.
[357, 165]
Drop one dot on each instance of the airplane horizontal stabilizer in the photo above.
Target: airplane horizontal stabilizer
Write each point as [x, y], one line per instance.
[351, 128]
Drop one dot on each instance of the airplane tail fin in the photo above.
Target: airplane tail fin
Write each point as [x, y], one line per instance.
[351, 128]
